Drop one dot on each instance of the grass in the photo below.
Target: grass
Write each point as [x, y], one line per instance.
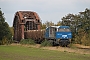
[28, 53]
[27, 41]
[46, 43]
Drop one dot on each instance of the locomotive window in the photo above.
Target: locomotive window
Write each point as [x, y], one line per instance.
[52, 30]
[63, 30]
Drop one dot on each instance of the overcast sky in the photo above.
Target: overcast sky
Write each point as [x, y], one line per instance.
[48, 10]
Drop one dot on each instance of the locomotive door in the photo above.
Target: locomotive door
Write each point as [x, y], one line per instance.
[52, 31]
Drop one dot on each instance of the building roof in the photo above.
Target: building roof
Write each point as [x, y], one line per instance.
[25, 14]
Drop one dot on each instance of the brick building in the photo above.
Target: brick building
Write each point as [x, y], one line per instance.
[24, 21]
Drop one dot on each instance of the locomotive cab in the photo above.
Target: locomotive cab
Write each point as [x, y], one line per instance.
[50, 33]
[64, 35]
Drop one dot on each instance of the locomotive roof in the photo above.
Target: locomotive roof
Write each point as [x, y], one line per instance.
[58, 27]
[64, 27]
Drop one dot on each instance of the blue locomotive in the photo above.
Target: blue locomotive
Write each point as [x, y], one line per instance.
[61, 35]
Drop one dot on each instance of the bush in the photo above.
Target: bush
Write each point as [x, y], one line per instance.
[83, 38]
[5, 41]
[77, 39]
[27, 41]
[86, 40]
[46, 43]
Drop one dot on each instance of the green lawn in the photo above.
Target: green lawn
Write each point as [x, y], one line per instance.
[29, 53]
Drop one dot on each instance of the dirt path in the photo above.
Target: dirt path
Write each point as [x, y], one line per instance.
[66, 49]
[77, 49]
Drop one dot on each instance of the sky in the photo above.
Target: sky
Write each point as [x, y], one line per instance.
[48, 10]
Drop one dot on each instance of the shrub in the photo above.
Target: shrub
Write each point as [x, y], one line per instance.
[46, 43]
[5, 41]
[27, 41]
[86, 40]
[83, 38]
[77, 39]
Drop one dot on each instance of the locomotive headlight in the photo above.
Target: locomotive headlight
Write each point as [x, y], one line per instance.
[64, 35]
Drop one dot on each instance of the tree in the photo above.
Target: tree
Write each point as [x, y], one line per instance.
[12, 30]
[85, 19]
[43, 26]
[5, 32]
[49, 23]
[80, 25]
[70, 20]
[58, 23]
